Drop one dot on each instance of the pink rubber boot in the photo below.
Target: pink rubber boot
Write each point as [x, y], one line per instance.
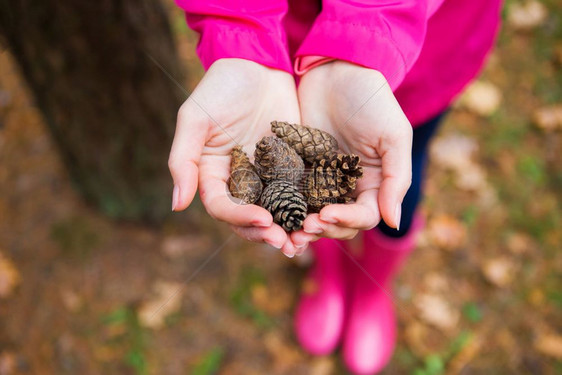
[319, 317]
[370, 335]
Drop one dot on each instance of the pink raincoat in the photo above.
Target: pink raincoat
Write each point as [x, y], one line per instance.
[428, 50]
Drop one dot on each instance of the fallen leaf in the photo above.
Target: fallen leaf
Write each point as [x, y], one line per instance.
[419, 338]
[499, 271]
[7, 363]
[467, 353]
[550, 345]
[272, 301]
[482, 98]
[164, 300]
[435, 310]
[453, 152]
[322, 366]
[177, 246]
[526, 15]
[71, 300]
[281, 352]
[447, 232]
[519, 243]
[435, 282]
[9, 277]
[548, 118]
[472, 178]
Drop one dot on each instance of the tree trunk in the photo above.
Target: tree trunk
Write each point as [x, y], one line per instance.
[91, 68]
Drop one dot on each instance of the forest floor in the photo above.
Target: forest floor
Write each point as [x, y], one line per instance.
[482, 294]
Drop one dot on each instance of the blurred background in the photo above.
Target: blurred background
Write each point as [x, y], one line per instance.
[97, 276]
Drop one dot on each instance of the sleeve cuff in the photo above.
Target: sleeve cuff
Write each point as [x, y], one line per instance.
[223, 40]
[355, 43]
[304, 63]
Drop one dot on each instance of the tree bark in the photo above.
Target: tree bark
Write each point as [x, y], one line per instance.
[90, 66]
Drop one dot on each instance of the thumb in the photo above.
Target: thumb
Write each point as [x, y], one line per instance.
[190, 137]
[396, 151]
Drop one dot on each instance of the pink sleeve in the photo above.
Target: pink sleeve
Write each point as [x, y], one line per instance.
[383, 35]
[246, 29]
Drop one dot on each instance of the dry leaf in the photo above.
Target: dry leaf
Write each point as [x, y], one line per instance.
[472, 178]
[322, 366]
[482, 98]
[550, 345]
[282, 353]
[435, 310]
[447, 232]
[435, 282]
[549, 118]
[177, 246]
[465, 356]
[453, 152]
[8, 363]
[71, 300]
[499, 271]
[526, 15]
[9, 277]
[272, 301]
[165, 300]
[418, 337]
[519, 243]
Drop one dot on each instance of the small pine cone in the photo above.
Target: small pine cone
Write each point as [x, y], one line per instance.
[276, 160]
[285, 203]
[331, 180]
[311, 144]
[244, 183]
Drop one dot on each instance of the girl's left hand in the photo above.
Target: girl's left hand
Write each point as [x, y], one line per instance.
[357, 106]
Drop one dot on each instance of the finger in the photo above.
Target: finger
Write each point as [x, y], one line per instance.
[289, 248]
[189, 139]
[396, 151]
[363, 214]
[313, 225]
[274, 235]
[301, 238]
[221, 206]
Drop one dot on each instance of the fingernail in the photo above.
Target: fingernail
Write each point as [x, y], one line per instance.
[301, 247]
[313, 231]
[398, 214]
[260, 223]
[289, 256]
[329, 219]
[271, 243]
[175, 197]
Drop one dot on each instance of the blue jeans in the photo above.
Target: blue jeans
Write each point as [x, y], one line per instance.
[422, 135]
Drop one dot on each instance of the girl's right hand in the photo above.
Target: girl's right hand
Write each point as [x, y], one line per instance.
[233, 105]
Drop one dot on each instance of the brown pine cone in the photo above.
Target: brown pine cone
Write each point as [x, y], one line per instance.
[331, 180]
[311, 144]
[276, 160]
[286, 205]
[244, 182]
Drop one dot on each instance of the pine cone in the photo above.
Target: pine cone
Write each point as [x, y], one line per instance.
[311, 144]
[331, 180]
[244, 182]
[285, 203]
[276, 160]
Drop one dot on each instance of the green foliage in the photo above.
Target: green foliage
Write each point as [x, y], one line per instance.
[133, 338]
[533, 169]
[241, 297]
[75, 236]
[210, 363]
[432, 365]
[472, 312]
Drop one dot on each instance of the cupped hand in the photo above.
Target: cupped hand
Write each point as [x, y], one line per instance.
[357, 106]
[232, 105]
